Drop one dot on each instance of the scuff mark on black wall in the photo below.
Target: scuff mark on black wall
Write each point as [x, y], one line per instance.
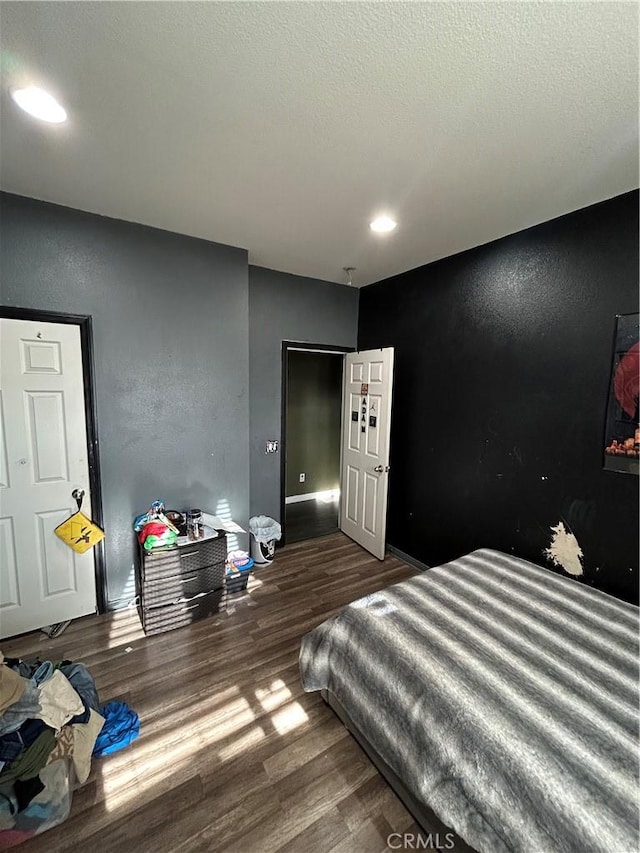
[564, 550]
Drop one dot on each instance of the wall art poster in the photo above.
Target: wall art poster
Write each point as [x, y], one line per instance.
[622, 431]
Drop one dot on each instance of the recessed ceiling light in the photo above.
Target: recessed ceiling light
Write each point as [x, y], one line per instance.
[40, 104]
[382, 224]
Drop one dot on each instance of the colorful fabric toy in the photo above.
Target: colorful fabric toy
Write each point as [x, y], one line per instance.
[155, 534]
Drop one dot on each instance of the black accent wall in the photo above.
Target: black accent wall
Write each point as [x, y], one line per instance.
[502, 366]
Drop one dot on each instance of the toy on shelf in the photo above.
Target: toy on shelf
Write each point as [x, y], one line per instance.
[154, 529]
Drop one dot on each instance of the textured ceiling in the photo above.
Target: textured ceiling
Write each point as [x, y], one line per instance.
[284, 127]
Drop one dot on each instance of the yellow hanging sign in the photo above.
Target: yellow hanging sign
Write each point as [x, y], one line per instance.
[79, 532]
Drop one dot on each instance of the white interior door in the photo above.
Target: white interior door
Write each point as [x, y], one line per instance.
[43, 458]
[366, 424]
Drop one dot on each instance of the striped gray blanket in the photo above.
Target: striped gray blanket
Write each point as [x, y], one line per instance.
[503, 695]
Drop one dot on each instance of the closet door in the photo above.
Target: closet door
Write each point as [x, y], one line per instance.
[43, 458]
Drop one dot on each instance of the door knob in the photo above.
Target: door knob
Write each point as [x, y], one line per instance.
[378, 469]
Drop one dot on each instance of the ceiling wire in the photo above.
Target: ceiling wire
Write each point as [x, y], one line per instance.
[349, 271]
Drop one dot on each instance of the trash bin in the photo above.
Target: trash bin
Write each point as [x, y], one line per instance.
[265, 532]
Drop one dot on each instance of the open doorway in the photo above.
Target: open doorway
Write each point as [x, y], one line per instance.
[312, 416]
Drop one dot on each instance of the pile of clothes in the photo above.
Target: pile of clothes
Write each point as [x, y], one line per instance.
[50, 721]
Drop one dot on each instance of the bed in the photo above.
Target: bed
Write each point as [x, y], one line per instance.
[499, 695]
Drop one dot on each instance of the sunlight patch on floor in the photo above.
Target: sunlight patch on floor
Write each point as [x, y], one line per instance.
[125, 628]
[274, 696]
[330, 497]
[189, 729]
[162, 725]
[181, 732]
[289, 718]
[241, 744]
[164, 753]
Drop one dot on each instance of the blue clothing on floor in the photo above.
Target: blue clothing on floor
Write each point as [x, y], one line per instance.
[121, 727]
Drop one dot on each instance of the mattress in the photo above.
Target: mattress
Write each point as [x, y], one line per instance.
[503, 695]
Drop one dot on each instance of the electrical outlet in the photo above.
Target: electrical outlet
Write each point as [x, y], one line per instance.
[303, 477]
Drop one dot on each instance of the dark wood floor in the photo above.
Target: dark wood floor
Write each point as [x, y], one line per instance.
[232, 755]
[310, 519]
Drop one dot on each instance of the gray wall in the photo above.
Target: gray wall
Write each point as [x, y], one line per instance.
[314, 404]
[286, 307]
[170, 322]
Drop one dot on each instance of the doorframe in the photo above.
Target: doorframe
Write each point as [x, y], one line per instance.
[84, 322]
[287, 347]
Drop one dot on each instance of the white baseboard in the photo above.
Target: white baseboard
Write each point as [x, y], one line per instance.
[327, 497]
